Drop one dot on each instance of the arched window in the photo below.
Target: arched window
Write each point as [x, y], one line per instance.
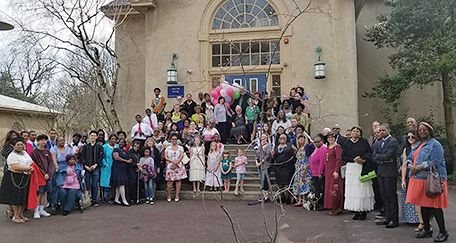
[235, 14]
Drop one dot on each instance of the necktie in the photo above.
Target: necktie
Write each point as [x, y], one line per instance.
[139, 128]
[151, 124]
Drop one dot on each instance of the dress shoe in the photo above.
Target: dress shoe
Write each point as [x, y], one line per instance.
[380, 216]
[392, 224]
[441, 237]
[424, 234]
[363, 216]
[356, 217]
[384, 222]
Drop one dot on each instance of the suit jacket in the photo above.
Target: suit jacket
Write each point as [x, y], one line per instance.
[385, 155]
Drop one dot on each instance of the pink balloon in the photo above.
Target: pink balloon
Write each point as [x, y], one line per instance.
[218, 88]
[215, 94]
[229, 91]
[214, 101]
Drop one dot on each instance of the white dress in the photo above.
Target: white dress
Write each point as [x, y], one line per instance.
[197, 164]
[213, 178]
[359, 197]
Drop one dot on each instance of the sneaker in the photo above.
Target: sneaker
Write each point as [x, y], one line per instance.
[95, 204]
[44, 213]
[36, 215]
[147, 201]
[151, 203]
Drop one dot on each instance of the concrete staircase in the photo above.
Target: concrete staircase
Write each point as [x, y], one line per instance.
[251, 181]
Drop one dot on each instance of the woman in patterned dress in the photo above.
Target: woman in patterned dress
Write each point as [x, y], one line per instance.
[301, 183]
[333, 180]
[175, 169]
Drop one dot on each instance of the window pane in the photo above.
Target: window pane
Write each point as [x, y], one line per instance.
[264, 46]
[216, 24]
[234, 48]
[253, 85]
[225, 48]
[245, 60]
[264, 59]
[255, 59]
[225, 25]
[245, 47]
[249, 13]
[276, 80]
[276, 58]
[275, 46]
[235, 25]
[215, 61]
[215, 49]
[226, 61]
[255, 47]
[236, 61]
[276, 91]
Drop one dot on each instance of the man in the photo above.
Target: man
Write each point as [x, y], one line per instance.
[257, 100]
[150, 119]
[44, 160]
[84, 137]
[159, 104]
[140, 131]
[201, 97]
[375, 125]
[90, 157]
[32, 138]
[242, 101]
[339, 138]
[76, 144]
[378, 198]
[189, 106]
[52, 142]
[385, 156]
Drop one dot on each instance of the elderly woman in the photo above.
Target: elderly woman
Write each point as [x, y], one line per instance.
[359, 197]
[68, 180]
[237, 121]
[283, 165]
[428, 153]
[175, 169]
[16, 179]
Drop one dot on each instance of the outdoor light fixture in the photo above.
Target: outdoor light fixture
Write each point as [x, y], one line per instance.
[320, 67]
[5, 25]
[172, 71]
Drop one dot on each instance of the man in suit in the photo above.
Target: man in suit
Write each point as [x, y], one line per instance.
[385, 156]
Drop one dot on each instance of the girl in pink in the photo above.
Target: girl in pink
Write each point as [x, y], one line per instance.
[240, 162]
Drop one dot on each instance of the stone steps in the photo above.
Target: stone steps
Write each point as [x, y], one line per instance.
[208, 195]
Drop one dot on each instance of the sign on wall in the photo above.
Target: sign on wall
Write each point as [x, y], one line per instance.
[174, 91]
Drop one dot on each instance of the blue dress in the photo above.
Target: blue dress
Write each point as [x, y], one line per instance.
[61, 157]
[119, 173]
[106, 167]
[303, 177]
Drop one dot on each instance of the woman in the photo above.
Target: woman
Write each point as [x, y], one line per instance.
[303, 178]
[16, 179]
[173, 130]
[28, 144]
[281, 121]
[176, 115]
[208, 107]
[106, 167]
[8, 147]
[221, 116]
[208, 135]
[168, 120]
[333, 180]
[359, 197]
[101, 136]
[239, 129]
[184, 131]
[428, 153]
[287, 109]
[59, 153]
[198, 116]
[68, 180]
[411, 214]
[263, 162]
[155, 153]
[192, 133]
[119, 175]
[175, 169]
[183, 122]
[283, 165]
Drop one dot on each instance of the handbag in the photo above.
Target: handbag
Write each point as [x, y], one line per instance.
[343, 169]
[185, 159]
[434, 185]
[365, 178]
[85, 200]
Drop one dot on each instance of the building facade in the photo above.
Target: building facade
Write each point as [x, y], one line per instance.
[257, 44]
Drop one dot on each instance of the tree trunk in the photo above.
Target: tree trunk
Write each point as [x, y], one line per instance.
[448, 113]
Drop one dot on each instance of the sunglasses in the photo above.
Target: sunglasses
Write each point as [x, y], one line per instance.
[411, 137]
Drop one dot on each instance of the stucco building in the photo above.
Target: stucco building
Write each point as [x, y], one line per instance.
[251, 42]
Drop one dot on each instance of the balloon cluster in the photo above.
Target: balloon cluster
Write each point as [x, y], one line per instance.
[230, 93]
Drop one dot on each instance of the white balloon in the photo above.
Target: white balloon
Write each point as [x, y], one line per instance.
[223, 93]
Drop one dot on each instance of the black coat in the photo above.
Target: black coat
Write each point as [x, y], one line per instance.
[91, 155]
[385, 156]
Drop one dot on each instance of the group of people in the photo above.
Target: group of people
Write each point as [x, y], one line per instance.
[328, 170]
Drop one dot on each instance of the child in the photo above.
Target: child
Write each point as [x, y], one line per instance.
[227, 167]
[147, 174]
[240, 162]
[213, 168]
[197, 163]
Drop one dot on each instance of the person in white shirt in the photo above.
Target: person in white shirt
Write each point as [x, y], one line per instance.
[140, 131]
[151, 119]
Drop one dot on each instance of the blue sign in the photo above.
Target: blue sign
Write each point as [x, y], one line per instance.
[174, 91]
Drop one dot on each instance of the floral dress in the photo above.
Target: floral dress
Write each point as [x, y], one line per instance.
[301, 182]
[175, 173]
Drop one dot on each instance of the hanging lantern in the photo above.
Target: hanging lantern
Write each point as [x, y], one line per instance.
[320, 67]
[4, 25]
[172, 71]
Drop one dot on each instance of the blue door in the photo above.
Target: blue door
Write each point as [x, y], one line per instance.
[251, 82]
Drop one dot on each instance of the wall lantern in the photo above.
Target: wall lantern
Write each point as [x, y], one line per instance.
[320, 67]
[4, 25]
[172, 71]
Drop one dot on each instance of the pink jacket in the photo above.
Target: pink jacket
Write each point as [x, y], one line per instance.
[317, 161]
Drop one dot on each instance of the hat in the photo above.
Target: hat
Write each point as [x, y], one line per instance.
[70, 156]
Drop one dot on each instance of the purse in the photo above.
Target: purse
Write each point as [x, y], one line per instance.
[343, 169]
[85, 200]
[434, 185]
[365, 178]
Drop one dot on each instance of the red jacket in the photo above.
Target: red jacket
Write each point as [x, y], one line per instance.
[36, 180]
